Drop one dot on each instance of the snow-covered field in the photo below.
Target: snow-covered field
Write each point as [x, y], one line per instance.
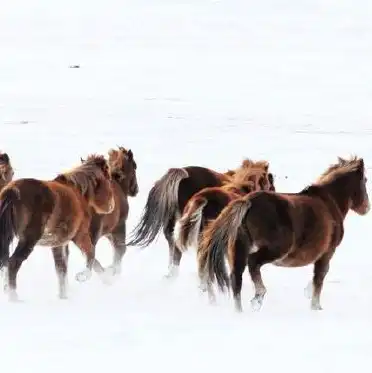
[180, 83]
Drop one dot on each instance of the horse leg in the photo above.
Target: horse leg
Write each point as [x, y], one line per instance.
[256, 260]
[117, 240]
[175, 253]
[321, 267]
[87, 246]
[206, 286]
[60, 256]
[237, 270]
[21, 253]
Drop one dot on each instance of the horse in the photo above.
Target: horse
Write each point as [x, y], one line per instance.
[6, 170]
[284, 229]
[122, 167]
[52, 213]
[206, 204]
[166, 201]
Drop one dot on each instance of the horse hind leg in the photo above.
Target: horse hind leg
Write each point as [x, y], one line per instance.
[117, 240]
[175, 253]
[321, 268]
[238, 264]
[60, 256]
[257, 257]
[21, 253]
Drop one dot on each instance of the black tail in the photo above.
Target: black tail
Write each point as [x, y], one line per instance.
[161, 207]
[7, 226]
[219, 239]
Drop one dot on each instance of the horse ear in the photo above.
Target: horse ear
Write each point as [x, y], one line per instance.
[130, 154]
[361, 163]
[82, 160]
[5, 157]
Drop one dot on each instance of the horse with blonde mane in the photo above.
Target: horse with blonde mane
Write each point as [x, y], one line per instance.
[284, 229]
[52, 213]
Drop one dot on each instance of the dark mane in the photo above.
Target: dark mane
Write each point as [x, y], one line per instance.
[85, 176]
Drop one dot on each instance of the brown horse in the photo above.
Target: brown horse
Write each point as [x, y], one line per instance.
[52, 213]
[6, 170]
[288, 230]
[206, 205]
[166, 201]
[113, 226]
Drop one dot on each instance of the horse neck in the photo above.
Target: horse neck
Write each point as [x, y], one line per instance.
[123, 185]
[2, 184]
[339, 195]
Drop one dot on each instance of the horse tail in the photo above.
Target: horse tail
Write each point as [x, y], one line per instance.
[7, 224]
[161, 207]
[186, 231]
[218, 239]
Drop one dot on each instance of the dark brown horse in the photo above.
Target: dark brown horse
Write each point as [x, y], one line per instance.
[288, 230]
[6, 170]
[113, 226]
[166, 201]
[52, 213]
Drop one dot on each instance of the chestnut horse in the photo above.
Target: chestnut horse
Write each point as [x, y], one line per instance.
[288, 230]
[52, 213]
[113, 226]
[166, 201]
[206, 205]
[6, 170]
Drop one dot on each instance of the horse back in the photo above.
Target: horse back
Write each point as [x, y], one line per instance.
[217, 200]
[34, 203]
[198, 179]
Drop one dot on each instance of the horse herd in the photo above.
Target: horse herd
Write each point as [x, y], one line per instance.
[235, 216]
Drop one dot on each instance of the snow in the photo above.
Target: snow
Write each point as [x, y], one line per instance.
[180, 83]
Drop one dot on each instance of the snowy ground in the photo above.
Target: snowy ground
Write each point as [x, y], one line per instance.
[193, 82]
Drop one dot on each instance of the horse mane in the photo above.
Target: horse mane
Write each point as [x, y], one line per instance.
[117, 160]
[338, 169]
[247, 166]
[248, 163]
[85, 176]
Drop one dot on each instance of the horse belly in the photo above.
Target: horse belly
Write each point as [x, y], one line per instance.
[57, 236]
[299, 257]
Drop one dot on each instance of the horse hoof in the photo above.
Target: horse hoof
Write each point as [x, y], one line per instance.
[316, 307]
[13, 297]
[256, 304]
[62, 296]
[83, 276]
[113, 271]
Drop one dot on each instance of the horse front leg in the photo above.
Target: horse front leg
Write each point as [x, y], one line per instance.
[87, 246]
[60, 256]
[321, 268]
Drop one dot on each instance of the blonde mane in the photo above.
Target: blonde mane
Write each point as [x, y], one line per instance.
[338, 169]
[86, 176]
